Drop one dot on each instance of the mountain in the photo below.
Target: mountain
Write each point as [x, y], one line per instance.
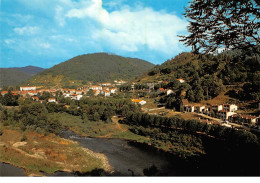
[207, 76]
[97, 67]
[32, 70]
[17, 75]
[12, 77]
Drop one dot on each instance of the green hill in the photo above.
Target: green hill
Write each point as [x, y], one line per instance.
[98, 67]
[206, 76]
[12, 77]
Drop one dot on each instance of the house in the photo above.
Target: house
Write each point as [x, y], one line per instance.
[79, 97]
[137, 101]
[96, 92]
[72, 91]
[106, 84]
[95, 87]
[225, 114]
[120, 82]
[169, 91]
[216, 107]
[199, 108]
[161, 90]
[15, 92]
[79, 92]
[106, 93]
[4, 92]
[244, 119]
[26, 88]
[66, 95]
[31, 92]
[51, 100]
[189, 108]
[113, 90]
[35, 98]
[230, 107]
[181, 80]
[105, 89]
[73, 96]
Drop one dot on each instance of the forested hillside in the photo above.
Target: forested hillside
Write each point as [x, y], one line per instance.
[12, 77]
[207, 75]
[17, 75]
[98, 67]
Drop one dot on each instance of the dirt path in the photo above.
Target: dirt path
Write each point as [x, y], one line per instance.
[209, 117]
[115, 119]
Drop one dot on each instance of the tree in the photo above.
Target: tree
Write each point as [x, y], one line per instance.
[96, 116]
[222, 24]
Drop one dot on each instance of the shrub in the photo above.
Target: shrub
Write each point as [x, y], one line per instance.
[24, 138]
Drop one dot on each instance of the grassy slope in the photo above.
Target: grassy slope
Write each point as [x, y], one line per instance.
[47, 153]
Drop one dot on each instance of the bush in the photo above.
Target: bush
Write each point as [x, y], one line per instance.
[24, 138]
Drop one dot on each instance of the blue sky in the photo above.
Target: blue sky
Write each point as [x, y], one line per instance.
[46, 32]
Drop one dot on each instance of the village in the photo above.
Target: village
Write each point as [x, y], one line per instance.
[224, 114]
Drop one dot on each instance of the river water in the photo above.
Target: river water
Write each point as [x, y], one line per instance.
[126, 159]
[10, 170]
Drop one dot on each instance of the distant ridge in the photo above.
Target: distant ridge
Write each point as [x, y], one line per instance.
[17, 75]
[97, 67]
[32, 70]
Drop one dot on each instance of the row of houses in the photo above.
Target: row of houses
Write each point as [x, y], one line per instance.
[226, 112]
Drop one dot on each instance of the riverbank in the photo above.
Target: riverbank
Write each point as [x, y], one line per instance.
[37, 153]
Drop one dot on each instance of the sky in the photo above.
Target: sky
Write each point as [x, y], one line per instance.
[47, 32]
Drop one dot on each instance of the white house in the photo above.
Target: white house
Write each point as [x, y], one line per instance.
[216, 107]
[106, 93]
[189, 108]
[181, 80]
[26, 88]
[225, 114]
[51, 100]
[95, 87]
[230, 107]
[96, 92]
[169, 91]
[113, 90]
[245, 118]
[79, 97]
[199, 108]
[106, 84]
[79, 92]
[137, 101]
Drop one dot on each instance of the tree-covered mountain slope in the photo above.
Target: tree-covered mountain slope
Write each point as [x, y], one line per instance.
[12, 77]
[206, 76]
[97, 67]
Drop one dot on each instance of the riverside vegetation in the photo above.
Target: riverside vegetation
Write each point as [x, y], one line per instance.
[199, 146]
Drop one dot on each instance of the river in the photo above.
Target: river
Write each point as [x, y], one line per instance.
[126, 159]
[10, 170]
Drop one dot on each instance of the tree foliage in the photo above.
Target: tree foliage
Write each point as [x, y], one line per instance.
[222, 24]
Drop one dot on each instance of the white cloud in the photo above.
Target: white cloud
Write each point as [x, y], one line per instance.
[9, 41]
[45, 45]
[128, 29]
[59, 16]
[26, 30]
